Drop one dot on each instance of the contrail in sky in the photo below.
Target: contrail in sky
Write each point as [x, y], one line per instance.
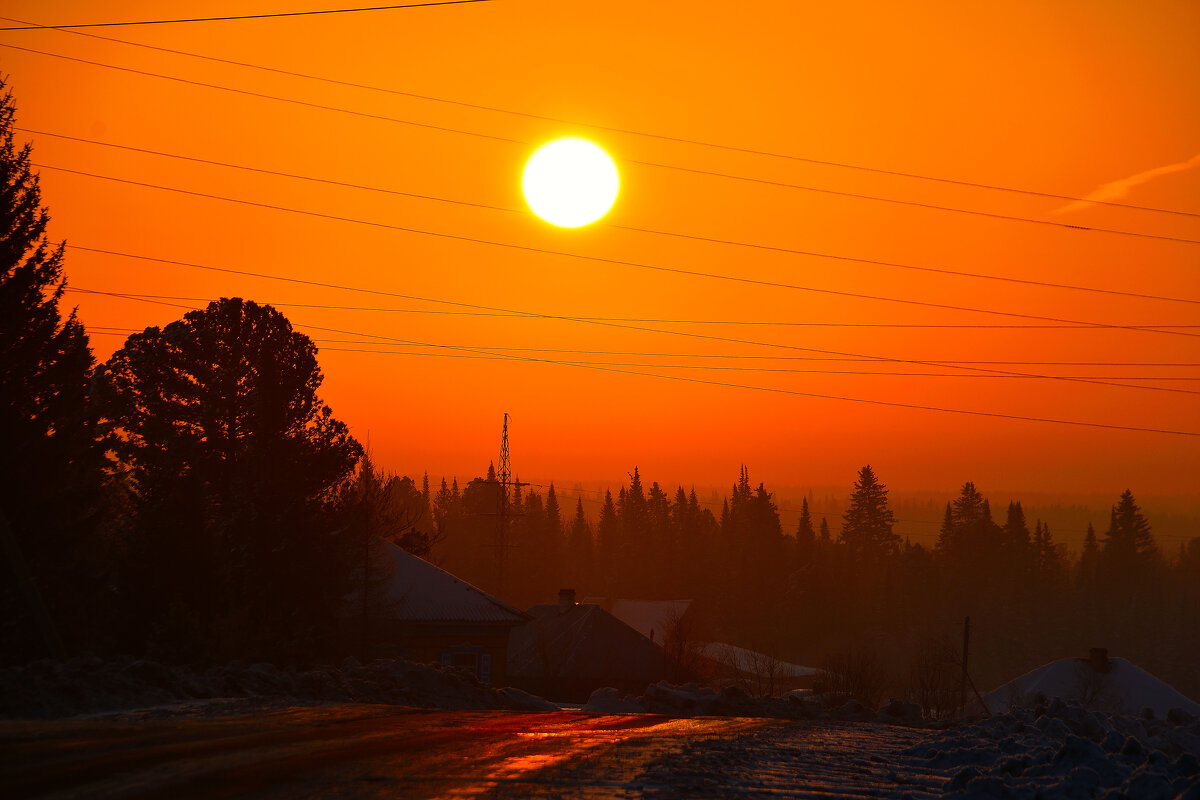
[1119, 188]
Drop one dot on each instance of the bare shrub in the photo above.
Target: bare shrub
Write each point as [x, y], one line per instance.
[857, 673]
[684, 662]
[935, 677]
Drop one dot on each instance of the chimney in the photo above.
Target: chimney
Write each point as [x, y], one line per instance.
[1098, 659]
[566, 600]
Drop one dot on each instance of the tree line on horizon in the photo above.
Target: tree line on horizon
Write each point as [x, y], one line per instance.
[193, 499]
[804, 594]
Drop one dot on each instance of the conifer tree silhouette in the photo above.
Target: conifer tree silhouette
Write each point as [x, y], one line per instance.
[51, 469]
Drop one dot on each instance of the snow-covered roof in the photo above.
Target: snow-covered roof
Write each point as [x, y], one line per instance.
[1125, 687]
[650, 617]
[421, 592]
[750, 661]
[583, 642]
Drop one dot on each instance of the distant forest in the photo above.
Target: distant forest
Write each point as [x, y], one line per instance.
[851, 587]
[193, 499]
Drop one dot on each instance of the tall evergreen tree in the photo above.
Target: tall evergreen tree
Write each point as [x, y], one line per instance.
[806, 537]
[608, 542]
[867, 523]
[1048, 557]
[968, 507]
[947, 540]
[1129, 536]
[1016, 529]
[554, 521]
[1089, 559]
[580, 550]
[51, 468]
[1129, 553]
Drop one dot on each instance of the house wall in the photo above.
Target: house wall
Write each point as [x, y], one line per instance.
[458, 643]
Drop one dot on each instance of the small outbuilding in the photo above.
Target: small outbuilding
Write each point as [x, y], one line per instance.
[429, 615]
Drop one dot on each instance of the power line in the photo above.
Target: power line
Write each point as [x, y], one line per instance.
[878, 358]
[710, 367]
[673, 333]
[779, 323]
[688, 334]
[248, 93]
[790, 371]
[642, 354]
[243, 16]
[631, 132]
[916, 204]
[693, 237]
[618, 262]
[723, 384]
[709, 173]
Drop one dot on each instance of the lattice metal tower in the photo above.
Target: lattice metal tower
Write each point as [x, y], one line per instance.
[504, 473]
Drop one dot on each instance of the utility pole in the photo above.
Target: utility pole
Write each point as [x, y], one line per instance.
[966, 646]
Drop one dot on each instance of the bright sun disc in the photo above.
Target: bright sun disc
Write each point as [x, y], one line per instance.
[570, 182]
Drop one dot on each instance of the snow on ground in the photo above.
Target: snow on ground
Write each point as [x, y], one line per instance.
[692, 700]
[1126, 688]
[1060, 750]
[1069, 753]
[752, 662]
[1066, 753]
[88, 685]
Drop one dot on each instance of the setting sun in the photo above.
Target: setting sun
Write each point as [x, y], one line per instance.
[570, 182]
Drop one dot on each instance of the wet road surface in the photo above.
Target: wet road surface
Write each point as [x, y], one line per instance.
[378, 751]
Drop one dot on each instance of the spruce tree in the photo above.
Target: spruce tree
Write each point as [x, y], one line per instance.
[806, 537]
[867, 523]
[608, 535]
[579, 549]
[51, 469]
[1089, 559]
[553, 515]
[1016, 529]
[947, 540]
[968, 508]
[1129, 552]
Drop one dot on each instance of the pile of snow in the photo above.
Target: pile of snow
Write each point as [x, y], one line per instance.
[49, 688]
[752, 662]
[1125, 688]
[1069, 752]
[692, 700]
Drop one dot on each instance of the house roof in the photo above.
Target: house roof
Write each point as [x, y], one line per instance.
[650, 618]
[420, 592]
[751, 662]
[1125, 688]
[583, 642]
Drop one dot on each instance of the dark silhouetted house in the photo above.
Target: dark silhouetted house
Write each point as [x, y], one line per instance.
[433, 616]
[569, 649]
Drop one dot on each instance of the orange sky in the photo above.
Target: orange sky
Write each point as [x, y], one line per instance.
[1061, 99]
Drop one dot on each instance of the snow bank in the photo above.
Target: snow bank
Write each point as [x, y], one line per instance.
[753, 662]
[1069, 752]
[48, 688]
[1126, 688]
[692, 700]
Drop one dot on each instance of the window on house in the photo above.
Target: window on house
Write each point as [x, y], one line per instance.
[471, 658]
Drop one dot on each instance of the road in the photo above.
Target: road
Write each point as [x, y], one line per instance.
[359, 751]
